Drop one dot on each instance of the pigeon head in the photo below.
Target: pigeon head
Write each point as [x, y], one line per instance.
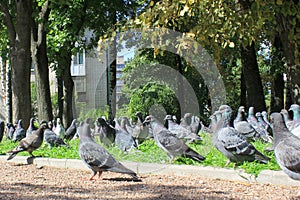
[241, 109]
[149, 119]
[251, 111]
[258, 114]
[294, 107]
[101, 121]
[44, 126]
[168, 117]
[277, 120]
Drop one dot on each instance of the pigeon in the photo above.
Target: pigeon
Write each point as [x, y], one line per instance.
[232, 144]
[2, 127]
[249, 130]
[10, 129]
[139, 131]
[59, 129]
[19, 133]
[295, 108]
[262, 128]
[71, 131]
[123, 139]
[186, 120]
[78, 130]
[31, 128]
[96, 157]
[30, 143]
[97, 129]
[108, 133]
[213, 123]
[287, 120]
[286, 147]
[179, 131]
[52, 139]
[169, 143]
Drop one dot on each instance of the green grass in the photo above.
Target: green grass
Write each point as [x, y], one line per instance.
[149, 152]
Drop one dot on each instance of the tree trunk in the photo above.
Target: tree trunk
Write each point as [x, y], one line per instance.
[277, 87]
[287, 26]
[68, 93]
[9, 112]
[60, 95]
[243, 100]
[3, 88]
[40, 62]
[21, 62]
[180, 90]
[255, 94]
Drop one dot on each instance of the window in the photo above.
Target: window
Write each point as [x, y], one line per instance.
[78, 64]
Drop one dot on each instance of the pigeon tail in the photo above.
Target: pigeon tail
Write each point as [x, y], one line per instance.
[13, 154]
[194, 155]
[261, 158]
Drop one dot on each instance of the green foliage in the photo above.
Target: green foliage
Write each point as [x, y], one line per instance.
[150, 95]
[93, 114]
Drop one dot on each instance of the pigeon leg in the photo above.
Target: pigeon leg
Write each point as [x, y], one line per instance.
[227, 163]
[93, 175]
[99, 174]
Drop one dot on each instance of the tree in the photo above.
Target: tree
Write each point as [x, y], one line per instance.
[18, 19]
[40, 61]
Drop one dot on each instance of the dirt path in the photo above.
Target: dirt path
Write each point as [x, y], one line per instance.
[32, 182]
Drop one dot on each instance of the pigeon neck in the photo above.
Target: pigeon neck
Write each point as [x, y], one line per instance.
[296, 115]
[280, 131]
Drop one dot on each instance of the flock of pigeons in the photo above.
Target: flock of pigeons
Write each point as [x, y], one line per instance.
[232, 136]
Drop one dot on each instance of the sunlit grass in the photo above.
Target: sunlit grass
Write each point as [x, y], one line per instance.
[149, 152]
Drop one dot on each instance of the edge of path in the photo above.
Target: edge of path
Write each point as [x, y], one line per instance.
[265, 177]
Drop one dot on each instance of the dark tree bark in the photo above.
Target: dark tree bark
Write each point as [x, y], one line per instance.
[277, 86]
[40, 62]
[60, 95]
[255, 94]
[287, 28]
[68, 93]
[19, 36]
[243, 91]
[180, 90]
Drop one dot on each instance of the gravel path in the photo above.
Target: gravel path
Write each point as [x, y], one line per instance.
[32, 182]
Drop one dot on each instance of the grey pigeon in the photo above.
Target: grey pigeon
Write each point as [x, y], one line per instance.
[10, 129]
[108, 133]
[169, 143]
[123, 139]
[71, 131]
[295, 108]
[30, 143]
[186, 121]
[232, 144]
[97, 129]
[287, 120]
[59, 129]
[96, 157]
[179, 131]
[20, 132]
[2, 127]
[249, 130]
[52, 139]
[31, 128]
[286, 147]
[139, 131]
[213, 123]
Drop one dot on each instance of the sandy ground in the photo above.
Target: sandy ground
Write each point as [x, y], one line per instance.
[32, 182]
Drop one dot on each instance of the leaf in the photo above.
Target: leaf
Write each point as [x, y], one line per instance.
[231, 45]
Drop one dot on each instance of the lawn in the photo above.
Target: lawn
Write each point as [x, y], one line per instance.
[149, 152]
